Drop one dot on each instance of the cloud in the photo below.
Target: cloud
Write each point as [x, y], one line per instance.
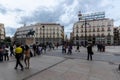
[2, 10]
[43, 14]
[10, 31]
[63, 13]
[60, 11]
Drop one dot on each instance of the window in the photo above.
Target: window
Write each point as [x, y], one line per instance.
[103, 29]
[93, 30]
[82, 26]
[89, 30]
[102, 35]
[109, 29]
[98, 35]
[108, 34]
[81, 35]
[103, 25]
[77, 31]
[98, 30]
[89, 35]
[81, 31]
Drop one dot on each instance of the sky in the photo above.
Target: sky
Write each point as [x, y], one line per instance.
[16, 13]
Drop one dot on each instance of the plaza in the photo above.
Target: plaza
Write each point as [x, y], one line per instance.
[53, 65]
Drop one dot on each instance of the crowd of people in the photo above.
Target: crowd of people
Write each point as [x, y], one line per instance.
[23, 52]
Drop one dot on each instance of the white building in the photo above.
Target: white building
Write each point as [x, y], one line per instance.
[94, 27]
[44, 32]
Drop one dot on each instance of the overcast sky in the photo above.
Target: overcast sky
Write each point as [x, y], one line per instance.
[14, 13]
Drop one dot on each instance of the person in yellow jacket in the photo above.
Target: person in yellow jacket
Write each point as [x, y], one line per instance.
[18, 55]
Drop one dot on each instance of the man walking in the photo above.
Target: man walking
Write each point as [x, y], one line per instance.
[18, 55]
[90, 52]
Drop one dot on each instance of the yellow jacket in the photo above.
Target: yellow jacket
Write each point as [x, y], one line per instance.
[18, 50]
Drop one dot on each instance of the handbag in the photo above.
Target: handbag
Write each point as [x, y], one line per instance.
[92, 53]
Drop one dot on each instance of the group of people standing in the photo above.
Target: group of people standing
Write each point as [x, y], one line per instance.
[19, 52]
[101, 47]
[4, 53]
[68, 47]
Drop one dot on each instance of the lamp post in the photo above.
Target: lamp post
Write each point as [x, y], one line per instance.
[85, 33]
[43, 34]
[85, 23]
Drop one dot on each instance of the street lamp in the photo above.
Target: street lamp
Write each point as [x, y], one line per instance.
[85, 23]
[85, 33]
[43, 33]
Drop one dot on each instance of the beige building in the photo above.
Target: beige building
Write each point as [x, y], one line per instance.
[2, 32]
[94, 27]
[44, 32]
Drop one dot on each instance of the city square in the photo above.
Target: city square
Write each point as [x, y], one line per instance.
[59, 40]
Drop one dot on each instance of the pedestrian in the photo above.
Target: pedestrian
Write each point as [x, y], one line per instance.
[34, 49]
[39, 49]
[90, 52]
[22, 56]
[27, 56]
[78, 48]
[6, 52]
[69, 49]
[1, 53]
[18, 55]
[11, 50]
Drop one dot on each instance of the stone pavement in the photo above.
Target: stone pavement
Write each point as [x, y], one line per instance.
[77, 69]
[39, 63]
[66, 67]
[58, 68]
[112, 54]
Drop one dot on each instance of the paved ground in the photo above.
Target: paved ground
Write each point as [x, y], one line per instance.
[112, 54]
[77, 69]
[56, 66]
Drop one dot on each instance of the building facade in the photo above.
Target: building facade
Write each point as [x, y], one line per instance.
[2, 32]
[44, 32]
[94, 27]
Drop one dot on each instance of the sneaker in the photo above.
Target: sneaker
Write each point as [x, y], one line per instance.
[22, 69]
[15, 68]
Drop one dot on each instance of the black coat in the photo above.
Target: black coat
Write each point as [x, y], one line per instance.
[89, 49]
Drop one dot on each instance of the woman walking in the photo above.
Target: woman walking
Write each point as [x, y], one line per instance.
[27, 56]
[6, 52]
